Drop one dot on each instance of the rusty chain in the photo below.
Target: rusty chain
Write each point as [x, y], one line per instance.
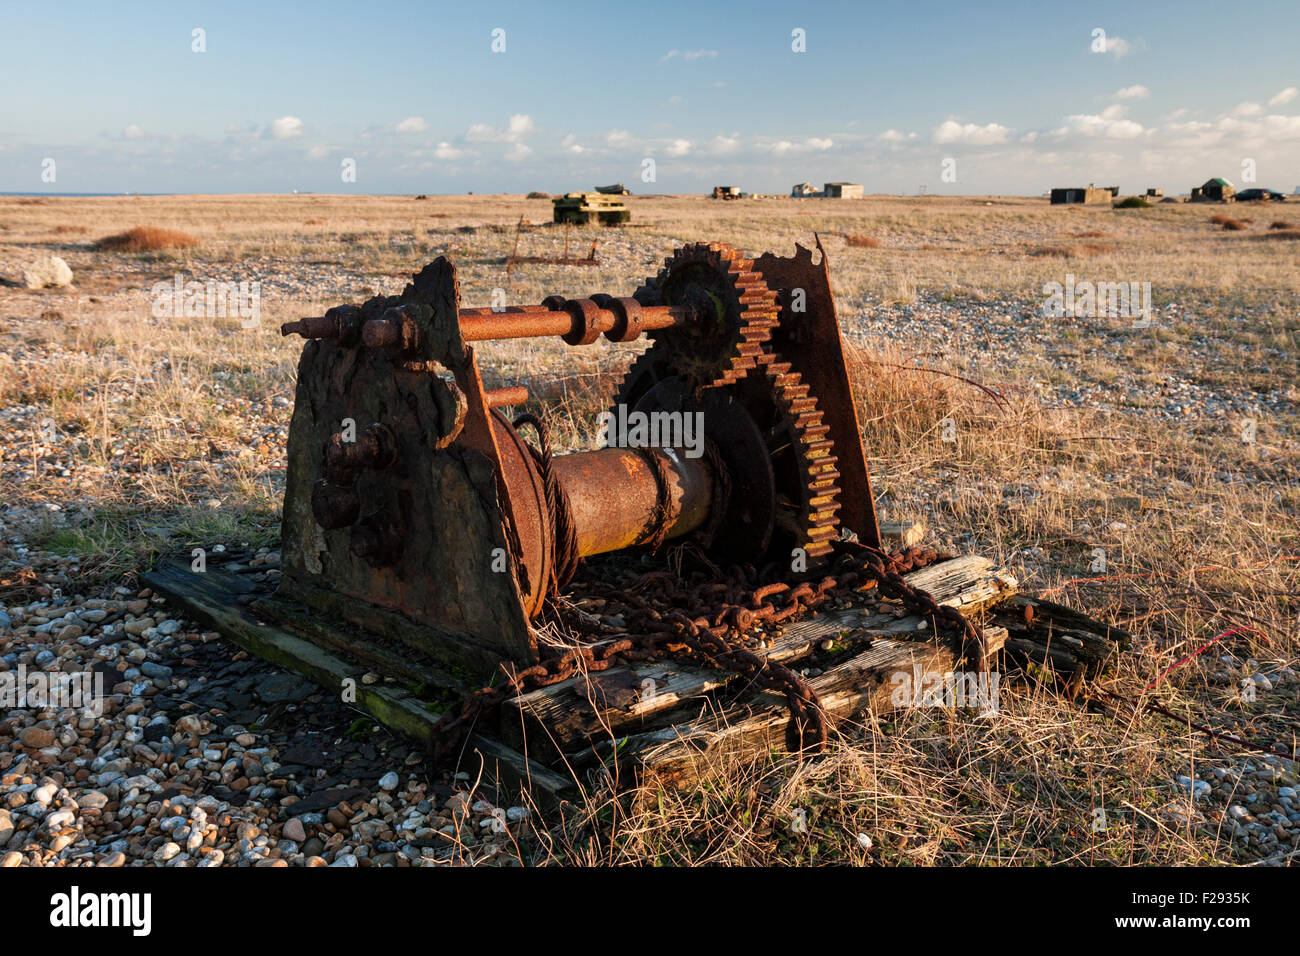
[698, 621]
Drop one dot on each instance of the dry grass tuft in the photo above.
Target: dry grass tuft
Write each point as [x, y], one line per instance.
[1078, 250]
[1281, 224]
[147, 239]
[1092, 234]
[862, 242]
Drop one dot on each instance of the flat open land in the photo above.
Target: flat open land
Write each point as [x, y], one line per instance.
[1145, 472]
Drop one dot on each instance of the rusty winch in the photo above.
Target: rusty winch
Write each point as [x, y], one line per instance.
[416, 510]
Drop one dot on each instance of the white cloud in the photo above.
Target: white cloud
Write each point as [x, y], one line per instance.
[950, 131]
[1273, 128]
[689, 55]
[812, 144]
[1110, 124]
[320, 152]
[1118, 47]
[1248, 109]
[287, 127]
[618, 138]
[1135, 92]
[412, 124]
[678, 147]
[724, 144]
[446, 151]
[517, 152]
[519, 125]
[1283, 96]
[570, 144]
[892, 136]
[133, 132]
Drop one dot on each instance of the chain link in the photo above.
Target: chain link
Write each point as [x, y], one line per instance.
[695, 623]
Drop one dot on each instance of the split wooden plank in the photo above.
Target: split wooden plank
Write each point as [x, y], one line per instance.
[680, 753]
[408, 669]
[1073, 643]
[209, 598]
[625, 699]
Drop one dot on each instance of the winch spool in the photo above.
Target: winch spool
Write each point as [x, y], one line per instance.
[414, 508]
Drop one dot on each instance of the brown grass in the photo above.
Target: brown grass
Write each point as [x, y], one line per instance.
[862, 242]
[147, 239]
[132, 400]
[1078, 250]
[1229, 224]
[1281, 224]
[1092, 234]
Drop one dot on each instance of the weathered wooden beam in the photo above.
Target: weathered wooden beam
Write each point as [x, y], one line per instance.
[1073, 643]
[405, 667]
[681, 753]
[625, 699]
[209, 598]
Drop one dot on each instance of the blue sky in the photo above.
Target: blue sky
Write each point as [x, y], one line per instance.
[1011, 96]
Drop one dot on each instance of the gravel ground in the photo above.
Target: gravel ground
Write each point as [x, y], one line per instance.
[205, 757]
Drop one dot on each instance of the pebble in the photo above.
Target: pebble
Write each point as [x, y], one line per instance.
[37, 738]
[389, 781]
[294, 830]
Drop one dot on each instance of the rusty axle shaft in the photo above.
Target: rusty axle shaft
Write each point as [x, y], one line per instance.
[577, 321]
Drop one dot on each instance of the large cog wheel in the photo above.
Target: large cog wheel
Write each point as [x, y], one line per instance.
[737, 313]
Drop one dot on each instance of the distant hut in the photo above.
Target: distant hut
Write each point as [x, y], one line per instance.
[1214, 190]
[726, 192]
[842, 191]
[1155, 192]
[803, 190]
[1080, 194]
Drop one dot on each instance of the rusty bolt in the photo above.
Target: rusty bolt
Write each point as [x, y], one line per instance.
[342, 322]
[334, 506]
[395, 328]
[311, 327]
[375, 448]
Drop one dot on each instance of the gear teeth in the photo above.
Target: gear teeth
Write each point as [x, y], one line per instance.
[755, 304]
[748, 353]
[818, 523]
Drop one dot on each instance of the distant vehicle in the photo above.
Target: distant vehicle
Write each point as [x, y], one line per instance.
[1254, 195]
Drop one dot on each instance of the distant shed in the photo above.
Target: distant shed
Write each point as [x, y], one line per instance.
[803, 190]
[842, 191]
[1217, 189]
[1080, 194]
